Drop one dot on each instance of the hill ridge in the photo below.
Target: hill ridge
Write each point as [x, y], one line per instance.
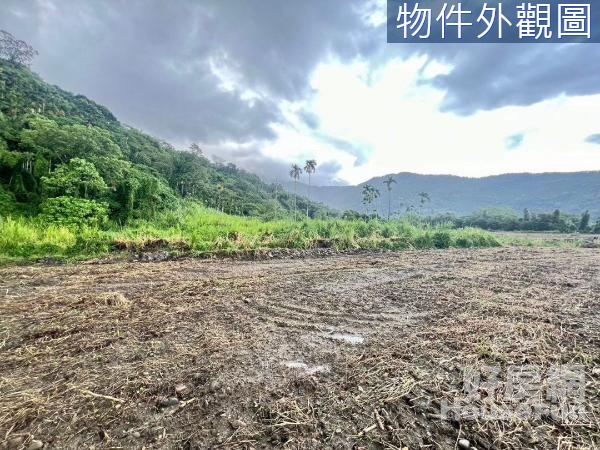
[571, 192]
[43, 127]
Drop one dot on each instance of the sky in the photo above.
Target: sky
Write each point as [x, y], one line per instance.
[268, 83]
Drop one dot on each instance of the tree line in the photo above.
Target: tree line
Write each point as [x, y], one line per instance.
[508, 220]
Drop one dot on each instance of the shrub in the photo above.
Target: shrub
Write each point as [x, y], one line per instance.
[463, 242]
[74, 212]
[8, 203]
[424, 240]
[442, 239]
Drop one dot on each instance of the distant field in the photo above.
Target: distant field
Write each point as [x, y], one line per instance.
[347, 351]
[549, 239]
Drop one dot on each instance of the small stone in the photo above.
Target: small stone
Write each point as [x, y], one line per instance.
[136, 434]
[182, 390]
[35, 445]
[464, 444]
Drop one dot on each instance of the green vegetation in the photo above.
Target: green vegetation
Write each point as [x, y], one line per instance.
[76, 183]
[369, 195]
[54, 143]
[194, 229]
[508, 220]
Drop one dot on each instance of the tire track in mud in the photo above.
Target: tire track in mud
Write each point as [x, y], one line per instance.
[342, 301]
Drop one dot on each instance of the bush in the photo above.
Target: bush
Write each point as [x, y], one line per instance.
[424, 240]
[8, 203]
[442, 239]
[463, 242]
[74, 212]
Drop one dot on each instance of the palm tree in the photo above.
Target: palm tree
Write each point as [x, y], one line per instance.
[309, 168]
[295, 174]
[389, 180]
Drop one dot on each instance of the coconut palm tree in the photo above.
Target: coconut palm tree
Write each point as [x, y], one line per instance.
[389, 180]
[309, 168]
[295, 173]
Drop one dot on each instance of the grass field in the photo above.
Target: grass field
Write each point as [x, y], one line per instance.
[194, 230]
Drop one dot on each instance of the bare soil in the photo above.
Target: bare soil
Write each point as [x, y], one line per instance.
[344, 351]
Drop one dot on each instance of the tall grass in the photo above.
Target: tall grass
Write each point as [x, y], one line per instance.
[197, 229]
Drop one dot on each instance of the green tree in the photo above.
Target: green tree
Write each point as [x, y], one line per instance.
[369, 194]
[59, 144]
[556, 216]
[78, 178]
[295, 173]
[584, 223]
[388, 182]
[309, 168]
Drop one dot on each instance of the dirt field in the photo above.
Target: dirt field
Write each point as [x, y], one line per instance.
[348, 351]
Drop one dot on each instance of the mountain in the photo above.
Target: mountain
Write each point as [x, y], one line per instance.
[46, 132]
[570, 192]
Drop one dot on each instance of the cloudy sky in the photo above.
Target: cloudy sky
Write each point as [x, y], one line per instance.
[264, 83]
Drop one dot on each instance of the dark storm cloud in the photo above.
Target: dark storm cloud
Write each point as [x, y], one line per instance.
[182, 70]
[216, 71]
[593, 138]
[151, 61]
[489, 76]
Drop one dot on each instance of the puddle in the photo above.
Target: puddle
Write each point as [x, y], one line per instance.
[353, 339]
[305, 368]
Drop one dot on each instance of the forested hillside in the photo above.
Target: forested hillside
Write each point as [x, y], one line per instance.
[544, 192]
[70, 159]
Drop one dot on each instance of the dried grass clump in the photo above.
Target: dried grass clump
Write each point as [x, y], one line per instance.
[116, 299]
